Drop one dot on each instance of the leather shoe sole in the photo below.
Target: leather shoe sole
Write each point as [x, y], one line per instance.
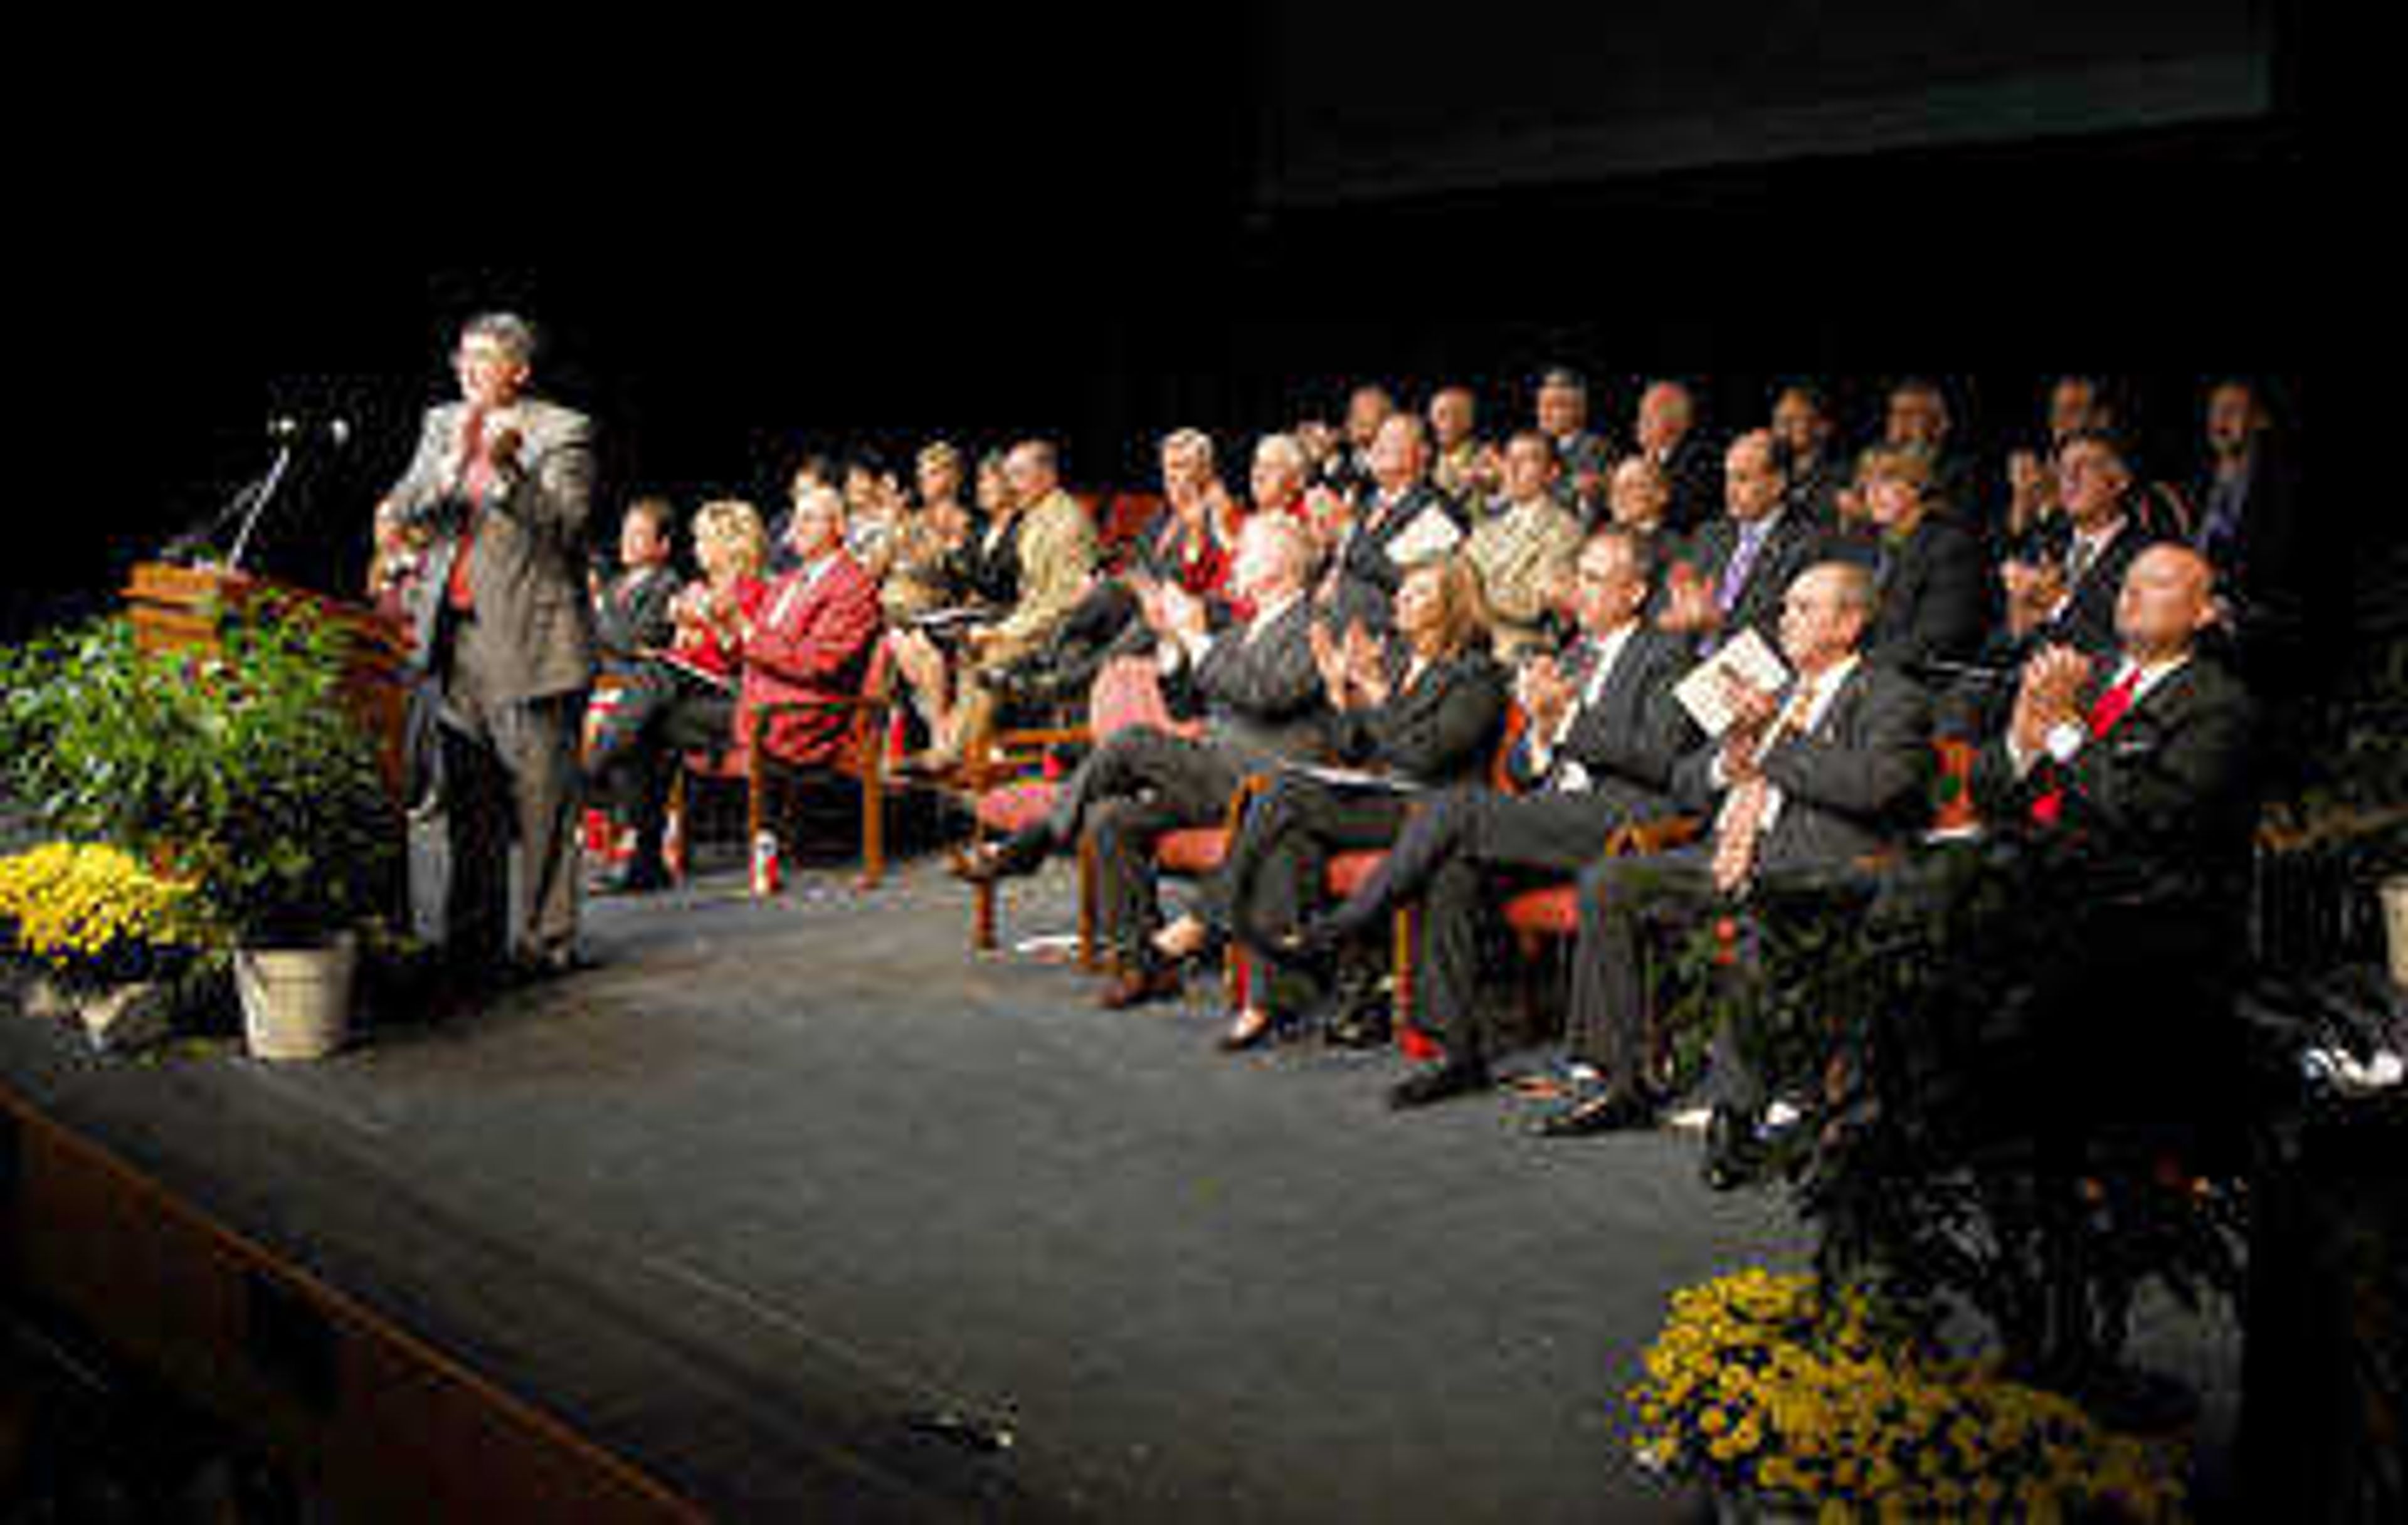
[1136, 986]
[1607, 1111]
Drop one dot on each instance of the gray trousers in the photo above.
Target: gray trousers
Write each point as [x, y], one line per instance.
[510, 776]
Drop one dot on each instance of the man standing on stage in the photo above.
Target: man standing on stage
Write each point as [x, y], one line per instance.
[504, 640]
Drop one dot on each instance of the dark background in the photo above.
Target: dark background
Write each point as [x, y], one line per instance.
[745, 242]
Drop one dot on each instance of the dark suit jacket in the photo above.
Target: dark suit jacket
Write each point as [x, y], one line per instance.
[2158, 813]
[1631, 739]
[1365, 559]
[1936, 602]
[1855, 784]
[1262, 698]
[2088, 622]
[633, 614]
[1791, 546]
[1441, 731]
[1694, 471]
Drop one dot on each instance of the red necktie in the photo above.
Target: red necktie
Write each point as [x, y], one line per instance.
[2107, 711]
[475, 469]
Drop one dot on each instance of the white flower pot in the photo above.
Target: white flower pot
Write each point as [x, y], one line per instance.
[296, 1003]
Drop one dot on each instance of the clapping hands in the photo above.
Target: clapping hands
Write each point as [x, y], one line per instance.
[1689, 607]
[2050, 694]
[1351, 667]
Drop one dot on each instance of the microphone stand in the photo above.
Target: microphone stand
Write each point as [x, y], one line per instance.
[259, 502]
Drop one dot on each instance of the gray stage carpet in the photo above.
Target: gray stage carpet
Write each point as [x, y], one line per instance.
[798, 1201]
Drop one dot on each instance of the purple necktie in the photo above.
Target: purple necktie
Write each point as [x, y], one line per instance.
[1743, 559]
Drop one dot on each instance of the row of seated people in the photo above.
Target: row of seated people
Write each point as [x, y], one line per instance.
[1819, 776]
[1385, 673]
[1026, 549]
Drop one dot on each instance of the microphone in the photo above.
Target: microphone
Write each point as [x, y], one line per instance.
[287, 429]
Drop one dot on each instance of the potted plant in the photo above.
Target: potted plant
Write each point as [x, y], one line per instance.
[109, 943]
[240, 772]
[1789, 1401]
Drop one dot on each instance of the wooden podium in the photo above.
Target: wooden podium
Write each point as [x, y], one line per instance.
[183, 607]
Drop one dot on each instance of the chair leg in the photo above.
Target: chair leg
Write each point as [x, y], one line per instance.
[1528, 946]
[982, 938]
[873, 832]
[1407, 940]
[676, 829]
[756, 807]
[1089, 956]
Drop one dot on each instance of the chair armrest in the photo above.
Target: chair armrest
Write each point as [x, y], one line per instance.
[1658, 836]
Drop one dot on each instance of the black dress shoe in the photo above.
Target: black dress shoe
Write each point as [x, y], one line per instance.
[1360, 1027]
[1597, 1112]
[1313, 943]
[1015, 856]
[1734, 1154]
[1138, 983]
[1439, 1082]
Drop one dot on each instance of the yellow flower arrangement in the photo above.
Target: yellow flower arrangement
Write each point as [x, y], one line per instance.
[90, 910]
[1761, 1385]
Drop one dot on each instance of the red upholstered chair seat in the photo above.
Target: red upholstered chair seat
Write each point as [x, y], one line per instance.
[1016, 805]
[1197, 850]
[1347, 870]
[1552, 911]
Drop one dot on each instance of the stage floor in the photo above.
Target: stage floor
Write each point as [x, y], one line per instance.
[784, 1199]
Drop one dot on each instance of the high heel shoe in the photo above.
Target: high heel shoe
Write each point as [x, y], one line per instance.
[1253, 1029]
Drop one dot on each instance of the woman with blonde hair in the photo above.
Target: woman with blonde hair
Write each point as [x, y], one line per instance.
[681, 700]
[1423, 712]
[925, 569]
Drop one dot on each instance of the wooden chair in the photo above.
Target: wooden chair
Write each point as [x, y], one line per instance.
[1348, 871]
[1189, 853]
[860, 758]
[1552, 912]
[1009, 779]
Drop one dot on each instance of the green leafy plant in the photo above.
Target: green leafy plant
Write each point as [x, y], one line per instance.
[242, 772]
[1894, 1019]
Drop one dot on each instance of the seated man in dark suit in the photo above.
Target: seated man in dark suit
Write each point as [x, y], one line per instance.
[1399, 520]
[1597, 753]
[2071, 600]
[2129, 781]
[1806, 783]
[631, 627]
[1261, 694]
[1738, 565]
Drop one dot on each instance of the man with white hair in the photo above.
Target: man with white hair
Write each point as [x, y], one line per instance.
[1667, 433]
[503, 632]
[1262, 698]
[1804, 784]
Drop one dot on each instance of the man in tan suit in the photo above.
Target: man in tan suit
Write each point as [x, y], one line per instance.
[503, 643]
[1054, 539]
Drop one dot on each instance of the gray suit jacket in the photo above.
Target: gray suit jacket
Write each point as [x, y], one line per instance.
[532, 634]
[1263, 698]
